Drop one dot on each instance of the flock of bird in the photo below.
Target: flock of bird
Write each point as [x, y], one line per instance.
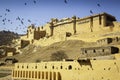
[34, 1]
[5, 20]
[21, 20]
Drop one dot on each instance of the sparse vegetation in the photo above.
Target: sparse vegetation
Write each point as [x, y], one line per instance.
[3, 75]
[58, 55]
[6, 37]
[1, 52]
[37, 60]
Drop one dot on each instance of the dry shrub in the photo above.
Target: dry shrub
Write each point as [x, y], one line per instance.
[58, 55]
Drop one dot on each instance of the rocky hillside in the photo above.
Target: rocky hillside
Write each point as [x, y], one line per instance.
[6, 37]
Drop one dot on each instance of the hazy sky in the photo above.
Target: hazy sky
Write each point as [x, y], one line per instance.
[15, 12]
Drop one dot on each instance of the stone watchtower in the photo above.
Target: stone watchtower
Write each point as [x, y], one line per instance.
[35, 33]
[30, 32]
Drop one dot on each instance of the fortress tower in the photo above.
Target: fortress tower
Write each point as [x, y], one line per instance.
[35, 33]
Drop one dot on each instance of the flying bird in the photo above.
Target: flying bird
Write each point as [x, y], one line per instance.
[22, 22]
[29, 20]
[91, 11]
[65, 1]
[34, 2]
[25, 3]
[3, 20]
[8, 20]
[98, 5]
[18, 18]
[8, 10]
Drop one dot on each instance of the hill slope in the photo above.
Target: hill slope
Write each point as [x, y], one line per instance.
[6, 37]
[71, 48]
[36, 53]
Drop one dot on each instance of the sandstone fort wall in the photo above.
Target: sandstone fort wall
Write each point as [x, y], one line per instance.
[72, 28]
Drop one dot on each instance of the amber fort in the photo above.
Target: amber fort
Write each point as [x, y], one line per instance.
[88, 29]
[99, 61]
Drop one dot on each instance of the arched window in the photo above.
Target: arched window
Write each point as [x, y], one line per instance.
[22, 66]
[35, 67]
[85, 51]
[27, 67]
[61, 67]
[45, 67]
[94, 51]
[102, 50]
[69, 67]
[18, 66]
[52, 67]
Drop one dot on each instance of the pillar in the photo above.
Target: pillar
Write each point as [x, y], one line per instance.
[91, 23]
[100, 21]
[56, 75]
[26, 74]
[74, 24]
[51, 28]
[44, 75]
[52, 75]
[48, 75]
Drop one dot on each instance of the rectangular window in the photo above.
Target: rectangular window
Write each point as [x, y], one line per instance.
[46, 75]
[42, 75]
[24, 74]
[13, 73]
[18, 73]
[35, 74]
[32, 74]
[54, 75]
[59, 76]
[39, 75]
[21, 74]
[29, 74]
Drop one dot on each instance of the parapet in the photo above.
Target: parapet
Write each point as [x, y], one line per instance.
[57, 22]
[106, 41]
[98, 51]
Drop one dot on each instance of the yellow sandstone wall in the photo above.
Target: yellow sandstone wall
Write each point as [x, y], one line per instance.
[72, 70]
[88, 29]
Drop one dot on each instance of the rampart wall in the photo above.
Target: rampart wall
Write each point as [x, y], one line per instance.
[72, 28]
